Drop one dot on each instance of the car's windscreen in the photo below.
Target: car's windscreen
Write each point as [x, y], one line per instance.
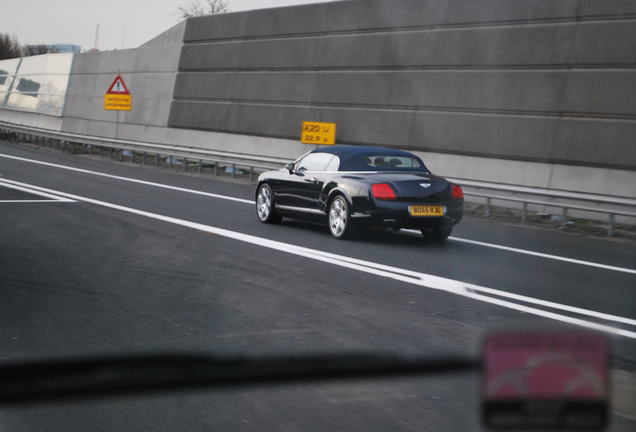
[382, 162]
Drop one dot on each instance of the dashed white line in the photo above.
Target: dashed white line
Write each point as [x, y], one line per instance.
[414, 278]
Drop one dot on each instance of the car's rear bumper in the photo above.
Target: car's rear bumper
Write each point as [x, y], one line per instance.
[396, 215]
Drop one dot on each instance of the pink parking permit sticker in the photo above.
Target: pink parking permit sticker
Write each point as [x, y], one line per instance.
[545, 380]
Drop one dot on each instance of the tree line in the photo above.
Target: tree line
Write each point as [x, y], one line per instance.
[11, 48]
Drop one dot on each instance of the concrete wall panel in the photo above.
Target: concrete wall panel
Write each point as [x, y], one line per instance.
[533, 138]
[603, 92]
[606, 43]
[495, 46]
[348, 16]
[481, 90]
[577, 91]
[531, 79]
[149, 73]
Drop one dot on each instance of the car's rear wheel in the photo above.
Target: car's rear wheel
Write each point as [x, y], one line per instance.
[439, 232]
[265, 205]
[339, 218]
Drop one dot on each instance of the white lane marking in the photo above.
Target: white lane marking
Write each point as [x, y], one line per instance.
[539, 254]
[420, 279]
[245, 201]
[33, 192]
[477, 288]
[129, 179]
[544, 255]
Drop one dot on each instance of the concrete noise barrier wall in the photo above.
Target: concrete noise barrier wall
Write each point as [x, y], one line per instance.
[532, 80]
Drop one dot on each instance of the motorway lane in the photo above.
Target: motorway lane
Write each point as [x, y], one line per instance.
[476, 229]
[92, 279]
[600, 290]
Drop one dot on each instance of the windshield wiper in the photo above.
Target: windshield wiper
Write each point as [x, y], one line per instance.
[53, 380]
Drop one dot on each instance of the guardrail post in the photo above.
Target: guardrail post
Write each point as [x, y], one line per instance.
[233, 170]
[610, 225]
[121, 155]
[170, 159]
[185, 164]
[251, 174]
[524, 215]
[200, 166]
[487, 210]
[145, 158]
[216, 168]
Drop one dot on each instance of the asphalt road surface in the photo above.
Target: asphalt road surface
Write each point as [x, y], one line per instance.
[99, 257]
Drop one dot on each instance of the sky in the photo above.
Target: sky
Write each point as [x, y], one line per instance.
[132, 22]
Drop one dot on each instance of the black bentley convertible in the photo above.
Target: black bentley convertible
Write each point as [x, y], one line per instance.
[350, 187]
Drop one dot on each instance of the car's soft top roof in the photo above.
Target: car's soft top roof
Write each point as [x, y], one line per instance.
[351, 157]
[346, 150]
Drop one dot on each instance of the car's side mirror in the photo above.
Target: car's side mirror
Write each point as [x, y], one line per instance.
[290, 167]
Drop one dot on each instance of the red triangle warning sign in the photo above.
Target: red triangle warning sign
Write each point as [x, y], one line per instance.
[118, 87]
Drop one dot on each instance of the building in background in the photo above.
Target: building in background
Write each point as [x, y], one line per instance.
[31, 50]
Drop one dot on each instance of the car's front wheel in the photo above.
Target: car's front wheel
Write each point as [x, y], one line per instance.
[265, 205]
[339, 218]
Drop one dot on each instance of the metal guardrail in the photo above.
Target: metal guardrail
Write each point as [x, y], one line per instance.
[564, 207]
[254, 163]
[186, 156]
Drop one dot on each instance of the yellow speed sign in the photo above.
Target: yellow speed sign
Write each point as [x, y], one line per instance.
[318, 133]
[118, 102]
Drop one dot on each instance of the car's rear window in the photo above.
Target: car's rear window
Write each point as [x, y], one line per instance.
[382, 162]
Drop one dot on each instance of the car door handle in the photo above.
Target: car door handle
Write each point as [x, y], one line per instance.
[312, 180]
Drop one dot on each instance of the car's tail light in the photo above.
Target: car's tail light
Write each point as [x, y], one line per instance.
[458, 193]
[383, 191]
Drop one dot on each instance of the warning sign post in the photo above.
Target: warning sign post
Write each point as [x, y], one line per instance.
[117, 97]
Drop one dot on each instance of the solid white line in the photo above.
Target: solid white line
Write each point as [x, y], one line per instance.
[477, 288]
[538, 254]
[11, 185]
[544, 255]
[128, 179]
[402, 275]
[251, 202]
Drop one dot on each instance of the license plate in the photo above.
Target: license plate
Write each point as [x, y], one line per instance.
[426, 210]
